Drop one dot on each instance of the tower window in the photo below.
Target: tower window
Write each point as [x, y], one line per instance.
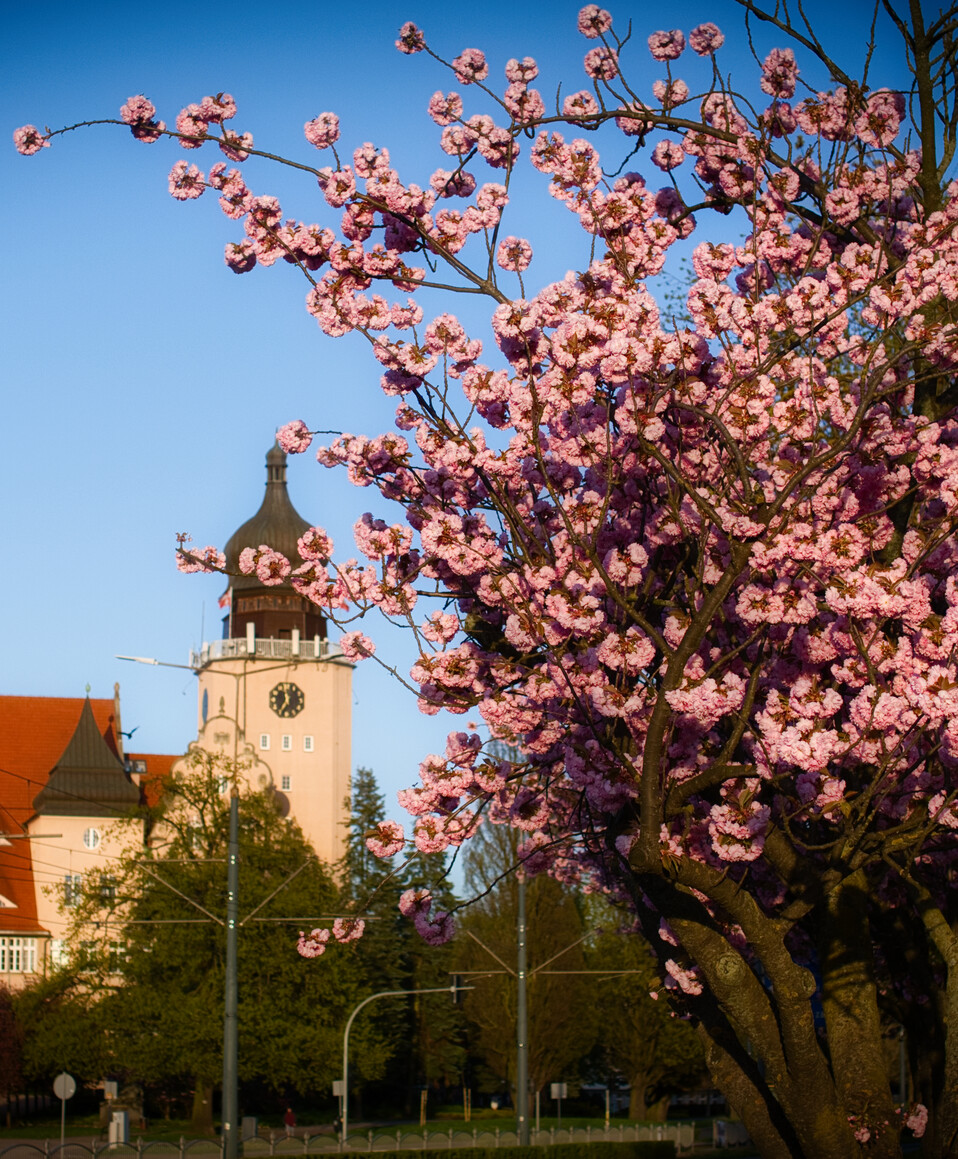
[91, 838]
[264, 741]
[285, 782]
[307, 744]
[287, 743]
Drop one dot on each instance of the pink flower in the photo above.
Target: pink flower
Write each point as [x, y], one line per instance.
[668, 155]
[210, 559]
[470, 66]
[917, 1120]
[190, 123]
[356, 646]
[315, 544]
[514, 253]
[186, 182]
[411, 39]
[138, 110]
[445, 108]
[348, 929]
[436, 931]
[312, 945]
[386, 840]
[594, 21]
[217, 109]
[322, 131]
[705, 39]
[414, 902]
[601, 63]
[271, 567]
[670, 92]
[521, 71]
[779, 72]
[294, 437]
[240, 256]
[236, 146]
[29, 140]
[879, 123]
[667, 45]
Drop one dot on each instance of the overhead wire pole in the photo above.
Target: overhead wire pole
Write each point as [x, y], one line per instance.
[522, 1022]
[230, 1001]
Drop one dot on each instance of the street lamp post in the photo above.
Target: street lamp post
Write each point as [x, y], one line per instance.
[230, 1003]
[522, 1020]
[452, 989]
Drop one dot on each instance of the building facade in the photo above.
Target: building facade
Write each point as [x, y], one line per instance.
[70, 802]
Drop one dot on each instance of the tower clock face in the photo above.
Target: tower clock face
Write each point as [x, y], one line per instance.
[287, 699]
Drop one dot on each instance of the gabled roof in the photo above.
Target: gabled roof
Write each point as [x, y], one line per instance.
[89, 779]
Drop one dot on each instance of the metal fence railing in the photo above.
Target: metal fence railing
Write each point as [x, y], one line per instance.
[360, 1142]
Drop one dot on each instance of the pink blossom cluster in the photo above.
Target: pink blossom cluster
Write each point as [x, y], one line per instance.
[208, 559]
[435, 929]
[270, 567]
[387, 840]
[294, 437]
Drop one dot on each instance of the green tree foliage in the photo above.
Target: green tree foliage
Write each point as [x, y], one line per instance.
[562, 1006]
[63, 1027]
[658, 1053]
[11, 1048]
[422, 1032]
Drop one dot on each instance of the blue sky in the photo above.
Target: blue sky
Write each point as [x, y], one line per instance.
[142, 381]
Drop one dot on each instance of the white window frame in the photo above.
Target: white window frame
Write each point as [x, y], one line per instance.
[307, 744]
[91, 838]
[264, 742]
[287, 743]
[286, 782]
[18, 955]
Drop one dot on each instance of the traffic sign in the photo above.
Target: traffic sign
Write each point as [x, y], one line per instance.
[64, 1086]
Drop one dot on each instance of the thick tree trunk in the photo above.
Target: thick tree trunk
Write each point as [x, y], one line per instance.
[637, 1108]
[850, 1001]
[201, 1121]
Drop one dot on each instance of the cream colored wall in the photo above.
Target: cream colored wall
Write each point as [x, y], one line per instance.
[54, 857]
[239, 690]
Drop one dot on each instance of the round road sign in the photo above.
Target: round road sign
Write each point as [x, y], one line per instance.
[64, 1086]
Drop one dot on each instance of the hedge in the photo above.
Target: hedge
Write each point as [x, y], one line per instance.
[657, 1149]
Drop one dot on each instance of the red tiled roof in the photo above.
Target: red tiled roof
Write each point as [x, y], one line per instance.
[158, 767]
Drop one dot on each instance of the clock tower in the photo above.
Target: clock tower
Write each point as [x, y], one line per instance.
[274, 694]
